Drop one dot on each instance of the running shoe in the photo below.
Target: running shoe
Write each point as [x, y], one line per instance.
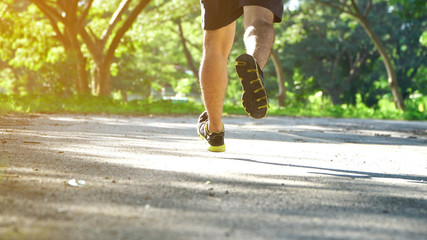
[254, 96]
[214, 139]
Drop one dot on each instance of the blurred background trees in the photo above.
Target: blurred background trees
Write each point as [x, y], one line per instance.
[140, 49]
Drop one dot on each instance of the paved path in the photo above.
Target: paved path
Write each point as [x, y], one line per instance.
[152, 178]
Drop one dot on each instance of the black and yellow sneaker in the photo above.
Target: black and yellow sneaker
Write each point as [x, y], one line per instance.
[214, 139]
[254, 96]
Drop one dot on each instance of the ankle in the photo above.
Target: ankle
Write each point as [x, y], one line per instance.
[215, 128]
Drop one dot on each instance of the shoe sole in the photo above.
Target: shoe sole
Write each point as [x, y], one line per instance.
[211, 148]
[254, 96]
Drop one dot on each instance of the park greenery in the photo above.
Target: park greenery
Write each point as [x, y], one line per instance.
[334, 58]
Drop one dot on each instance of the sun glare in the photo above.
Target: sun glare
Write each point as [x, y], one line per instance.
[292, 5]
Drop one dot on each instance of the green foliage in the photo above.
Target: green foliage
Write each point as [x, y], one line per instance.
[317, 105]
[320, 106]
[152, 51]
[410, 8]
[423, 39]
[332, 53]
[7, 80]
[31, 40]
[184, 86]
[31, 60]
[94, 105]
[331, 67]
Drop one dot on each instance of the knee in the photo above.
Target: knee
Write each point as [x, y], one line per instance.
[215, 49]
[259, 23]
[258, 17]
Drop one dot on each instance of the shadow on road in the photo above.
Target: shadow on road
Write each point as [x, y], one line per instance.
[343, 172]
[147, 178]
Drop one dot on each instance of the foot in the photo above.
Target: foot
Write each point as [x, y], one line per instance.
[254, 97]
[214, 139]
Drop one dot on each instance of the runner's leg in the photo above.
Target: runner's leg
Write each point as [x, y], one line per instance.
[259, 33]
[213, 72]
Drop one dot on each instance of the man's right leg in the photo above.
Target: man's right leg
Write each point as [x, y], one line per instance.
[213, 72]
[259, 36]
[259, 33]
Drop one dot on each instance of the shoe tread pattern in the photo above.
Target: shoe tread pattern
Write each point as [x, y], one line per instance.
[254, 96]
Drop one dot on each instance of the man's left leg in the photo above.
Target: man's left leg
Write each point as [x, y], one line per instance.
[213, 81]
[213, 71]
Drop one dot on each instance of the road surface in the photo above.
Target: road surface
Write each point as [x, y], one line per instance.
[123, 177]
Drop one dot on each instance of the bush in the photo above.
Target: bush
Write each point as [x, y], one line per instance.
[315, 106]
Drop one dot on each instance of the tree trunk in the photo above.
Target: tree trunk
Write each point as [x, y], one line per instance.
[80, 75]
[281, 96]
[335, 96]
[30, 84]
[83, 78]
[362, 19]
[187, 53]
[124, 95]
[391, 73]
[102, 55]
[101, 79]
[67, 36]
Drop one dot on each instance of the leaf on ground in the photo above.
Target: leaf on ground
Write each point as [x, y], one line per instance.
[76, 183]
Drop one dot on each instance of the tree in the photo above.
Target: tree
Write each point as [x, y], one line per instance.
[352, 8]
[313, 53]
[67, 14]
[187, 52]
[30, 56]
[164, 51]
[412, 8]
[281, 96]
[73, 15]
[102, 48]
[409, 53]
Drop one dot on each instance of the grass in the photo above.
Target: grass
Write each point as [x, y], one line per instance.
[93, 105]
[318, 107]
[314, 107]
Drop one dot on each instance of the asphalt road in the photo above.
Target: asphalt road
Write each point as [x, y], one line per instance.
[116, 177]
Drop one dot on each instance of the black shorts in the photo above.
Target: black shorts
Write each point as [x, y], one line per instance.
[219, 13]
